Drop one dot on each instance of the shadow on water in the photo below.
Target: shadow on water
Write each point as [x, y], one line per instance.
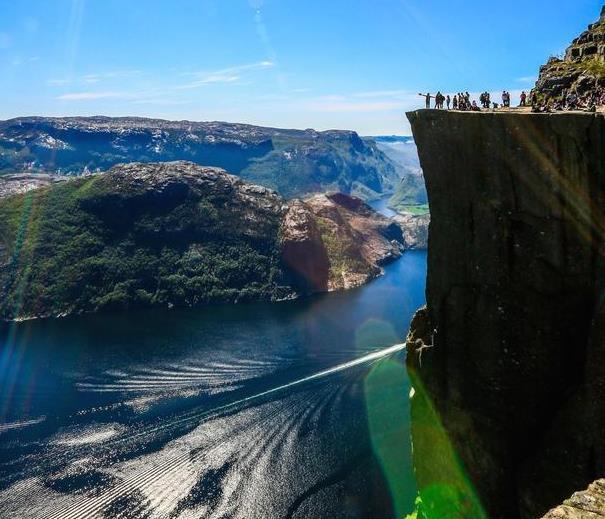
[158, 411]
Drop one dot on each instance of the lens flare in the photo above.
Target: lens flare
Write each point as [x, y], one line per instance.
[445, 490]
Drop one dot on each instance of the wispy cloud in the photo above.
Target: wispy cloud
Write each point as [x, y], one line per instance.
[527, 79]
[351, 106]
[92, 78]
[57, 82]
[85, 96]
[382, 93]
[361, 102]
[216, 78]
[225, 75]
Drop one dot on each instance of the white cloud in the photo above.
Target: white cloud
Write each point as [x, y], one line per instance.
[382, 93]
[57, 82]
[85, 96]
[527, 79]
[216, 78]
[91, 78]
[225, 75]
[351, 106]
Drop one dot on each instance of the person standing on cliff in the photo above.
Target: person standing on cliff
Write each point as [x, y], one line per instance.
[439, 100]
[448, 101]
[523, 99]
[428, 98]
[455, 102]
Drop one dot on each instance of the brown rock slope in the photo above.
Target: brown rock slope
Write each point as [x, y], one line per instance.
[581, 70]
[508, 359]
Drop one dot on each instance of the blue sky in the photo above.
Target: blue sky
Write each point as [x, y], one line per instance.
[355, 64]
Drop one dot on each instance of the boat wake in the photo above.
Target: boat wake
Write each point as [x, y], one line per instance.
[255, 456]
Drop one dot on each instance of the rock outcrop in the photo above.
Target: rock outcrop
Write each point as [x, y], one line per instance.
[581, 70]
[508, 358]
[178, 234]
[588, 504]
[415, 229]
[23, 182]
[358, 239]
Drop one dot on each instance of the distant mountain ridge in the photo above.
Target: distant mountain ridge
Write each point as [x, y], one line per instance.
[293, 162]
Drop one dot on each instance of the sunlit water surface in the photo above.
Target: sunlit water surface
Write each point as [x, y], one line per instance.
[251, 411]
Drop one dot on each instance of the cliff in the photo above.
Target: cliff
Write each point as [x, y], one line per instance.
[508, 357]
[178, 234]
[293, 162]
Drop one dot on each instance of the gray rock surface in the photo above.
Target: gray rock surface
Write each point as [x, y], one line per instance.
[514, 334]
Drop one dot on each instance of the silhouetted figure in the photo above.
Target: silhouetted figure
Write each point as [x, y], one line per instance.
[439, 100]
[428, 98]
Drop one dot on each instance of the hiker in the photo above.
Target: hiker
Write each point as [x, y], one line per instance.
[455, 102]
[439, 100]
[523, 99]
[448, 101]
[428, 98]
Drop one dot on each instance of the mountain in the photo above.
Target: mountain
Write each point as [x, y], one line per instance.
[580, 70]
[178, 234]
[401, 150]
[410, 196]
[292, 162]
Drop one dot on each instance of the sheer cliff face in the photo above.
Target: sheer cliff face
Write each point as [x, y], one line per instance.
[514, 330]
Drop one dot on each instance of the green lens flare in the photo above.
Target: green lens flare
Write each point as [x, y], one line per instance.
[445, 491]
[386, 394]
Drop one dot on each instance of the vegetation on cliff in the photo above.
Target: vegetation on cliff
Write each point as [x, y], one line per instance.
[159, 235]
[410, 196]
[121, 240]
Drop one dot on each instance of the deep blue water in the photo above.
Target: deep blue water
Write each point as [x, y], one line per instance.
[230, 411]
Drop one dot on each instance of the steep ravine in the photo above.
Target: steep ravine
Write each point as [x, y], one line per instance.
[508, 359]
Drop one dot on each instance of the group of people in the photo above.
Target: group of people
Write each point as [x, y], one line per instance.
[571, 100]
[462, 101]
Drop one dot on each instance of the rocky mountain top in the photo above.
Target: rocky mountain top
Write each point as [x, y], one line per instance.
[23, 182]
[179, 234]
[581, 70]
